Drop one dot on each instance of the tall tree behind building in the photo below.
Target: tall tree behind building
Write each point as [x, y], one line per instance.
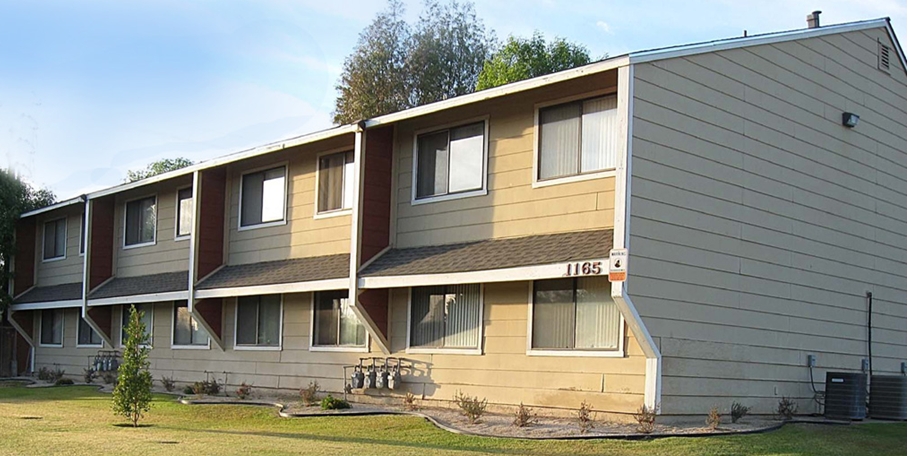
[522, 58]
[158, 167]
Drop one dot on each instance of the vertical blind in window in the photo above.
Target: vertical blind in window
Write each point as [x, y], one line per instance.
[141, 219]
[145, 316]
[55, 239]
[336, 181]
[336, 324]
[186, 329]
[87, 335]
[184, 212]
[450, 161]
[445, 316]
[575, 314]
[263, 197]
[259, 320]
[578, 137]
[52, 326]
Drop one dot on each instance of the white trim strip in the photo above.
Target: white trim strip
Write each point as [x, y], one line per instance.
[61, 204]
[139, 299]
[47, 305]
[538, 272]
[296, 287]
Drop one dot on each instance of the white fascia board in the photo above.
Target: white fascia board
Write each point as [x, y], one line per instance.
[713, 46]
[282, 288]
[235, 157]
[507, 89]
[46, 305]
[896, 43]
[539, 272]
[55, 206]
[138, 299]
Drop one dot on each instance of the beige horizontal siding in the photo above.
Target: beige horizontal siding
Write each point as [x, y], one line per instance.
[758, 221]
[69, 269]
[512, 207]
[70, 358]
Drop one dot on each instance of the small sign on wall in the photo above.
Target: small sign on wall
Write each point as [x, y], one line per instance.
[618, 265]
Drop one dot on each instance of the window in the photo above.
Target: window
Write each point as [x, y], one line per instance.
[52, 327]
[141, 221]
[187, 331]
[82, 235]
[55, 239]
[336, 181]
[259, 321]
[575, 314]
[335, 324]
[577, 138]
[145, 316]
[87, 335]
[445, 317]
[184, 212]
[262, 197]
[451, 161]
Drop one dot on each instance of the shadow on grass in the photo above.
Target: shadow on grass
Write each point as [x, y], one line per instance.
[50, 393]
[130, 426]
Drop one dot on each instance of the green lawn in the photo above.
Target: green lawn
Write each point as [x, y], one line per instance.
[77, 420]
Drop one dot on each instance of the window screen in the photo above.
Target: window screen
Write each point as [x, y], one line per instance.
[578, 137]
[186, 329]
[263, 197]
[184, 212]
[451, 161]
[336, 187]
[259, 320]
[55, 239]
[336, 324]
[87, 335]
[141, 220]
[52, 327]
[577, 313]
[445, 316]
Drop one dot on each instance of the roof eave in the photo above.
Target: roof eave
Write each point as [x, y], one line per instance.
[55, 206]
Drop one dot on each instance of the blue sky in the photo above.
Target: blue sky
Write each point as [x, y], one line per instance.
[91, 89]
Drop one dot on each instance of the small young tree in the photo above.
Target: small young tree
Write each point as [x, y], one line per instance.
[132, 394]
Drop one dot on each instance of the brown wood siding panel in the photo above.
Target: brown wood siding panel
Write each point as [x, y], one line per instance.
[211, 222]
[26, 321]
[375, 302]
[102, 244]
[212, 311]
[377, 192]
[103, 317]
[24, 276]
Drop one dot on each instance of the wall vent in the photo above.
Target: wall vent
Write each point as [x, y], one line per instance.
[883, 56]
[888, 397]
[844, 397]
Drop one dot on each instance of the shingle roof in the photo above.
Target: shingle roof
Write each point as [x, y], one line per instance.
[141, 285]
[276, 272]
[493, 254]
[63, 292]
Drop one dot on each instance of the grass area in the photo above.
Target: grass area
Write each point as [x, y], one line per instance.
[77, 420]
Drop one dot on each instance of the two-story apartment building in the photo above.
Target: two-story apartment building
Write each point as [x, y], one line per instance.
[472, 238]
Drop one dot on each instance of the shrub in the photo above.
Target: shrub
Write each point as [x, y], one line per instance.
[524, 416]
[585, 418]
[410, 402]
[44, 374]
[646, 417]
[64, 381]
[50, 376]
[330, 403]
[168, 383]
[713, 418]
[89, 375]
[472, 407]
[737, 411]
[210, 388]
[188, 389]
[786, 409]
[244, 390]
[109, 377]
[132, 394]
[309, 394]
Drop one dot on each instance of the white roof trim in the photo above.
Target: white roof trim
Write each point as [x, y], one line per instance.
[55, 206]
[46, 305]
[522, 273]
[896, 43]
[278, 288]
[137, 299]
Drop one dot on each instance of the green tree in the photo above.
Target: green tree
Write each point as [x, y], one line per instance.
[16, 198]
[158, 167]
[132, 393]
[523, 58]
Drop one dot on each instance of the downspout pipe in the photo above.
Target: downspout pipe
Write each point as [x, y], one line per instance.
[870, 298]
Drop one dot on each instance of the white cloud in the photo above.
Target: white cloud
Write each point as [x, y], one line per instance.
[604, 27]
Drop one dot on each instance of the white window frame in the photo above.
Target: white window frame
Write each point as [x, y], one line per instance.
[154, 240]
[65, 239]
[450, 196]
[173, 331]
[41, 328]
[536, 182]
[177, 236]
[278, 347]
[331, 348]
[283, 220]
[441, 350]
[78, 333]
[151, 327]
[619, 352]
[337, 212]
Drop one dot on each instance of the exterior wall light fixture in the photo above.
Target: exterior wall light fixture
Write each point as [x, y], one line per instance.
[850, 120]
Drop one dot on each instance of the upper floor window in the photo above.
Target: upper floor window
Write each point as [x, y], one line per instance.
[336, 181]
[82, 234]
[145, 316]
[141, 221]
[55, 239]
[262, 197]
[187, 332]
[184, 212]
[575, 314]
[446, 317]
[335, 324]
[577, 138]
[451, 161]
[87, 336]
[52, 327]
[259, 321]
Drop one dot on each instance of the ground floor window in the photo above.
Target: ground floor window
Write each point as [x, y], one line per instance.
[87, 335]
[52, 327]
[259, 321]
[145, 316]
[335, 323]
[445, 317]
[575, 314]
[187, 331]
